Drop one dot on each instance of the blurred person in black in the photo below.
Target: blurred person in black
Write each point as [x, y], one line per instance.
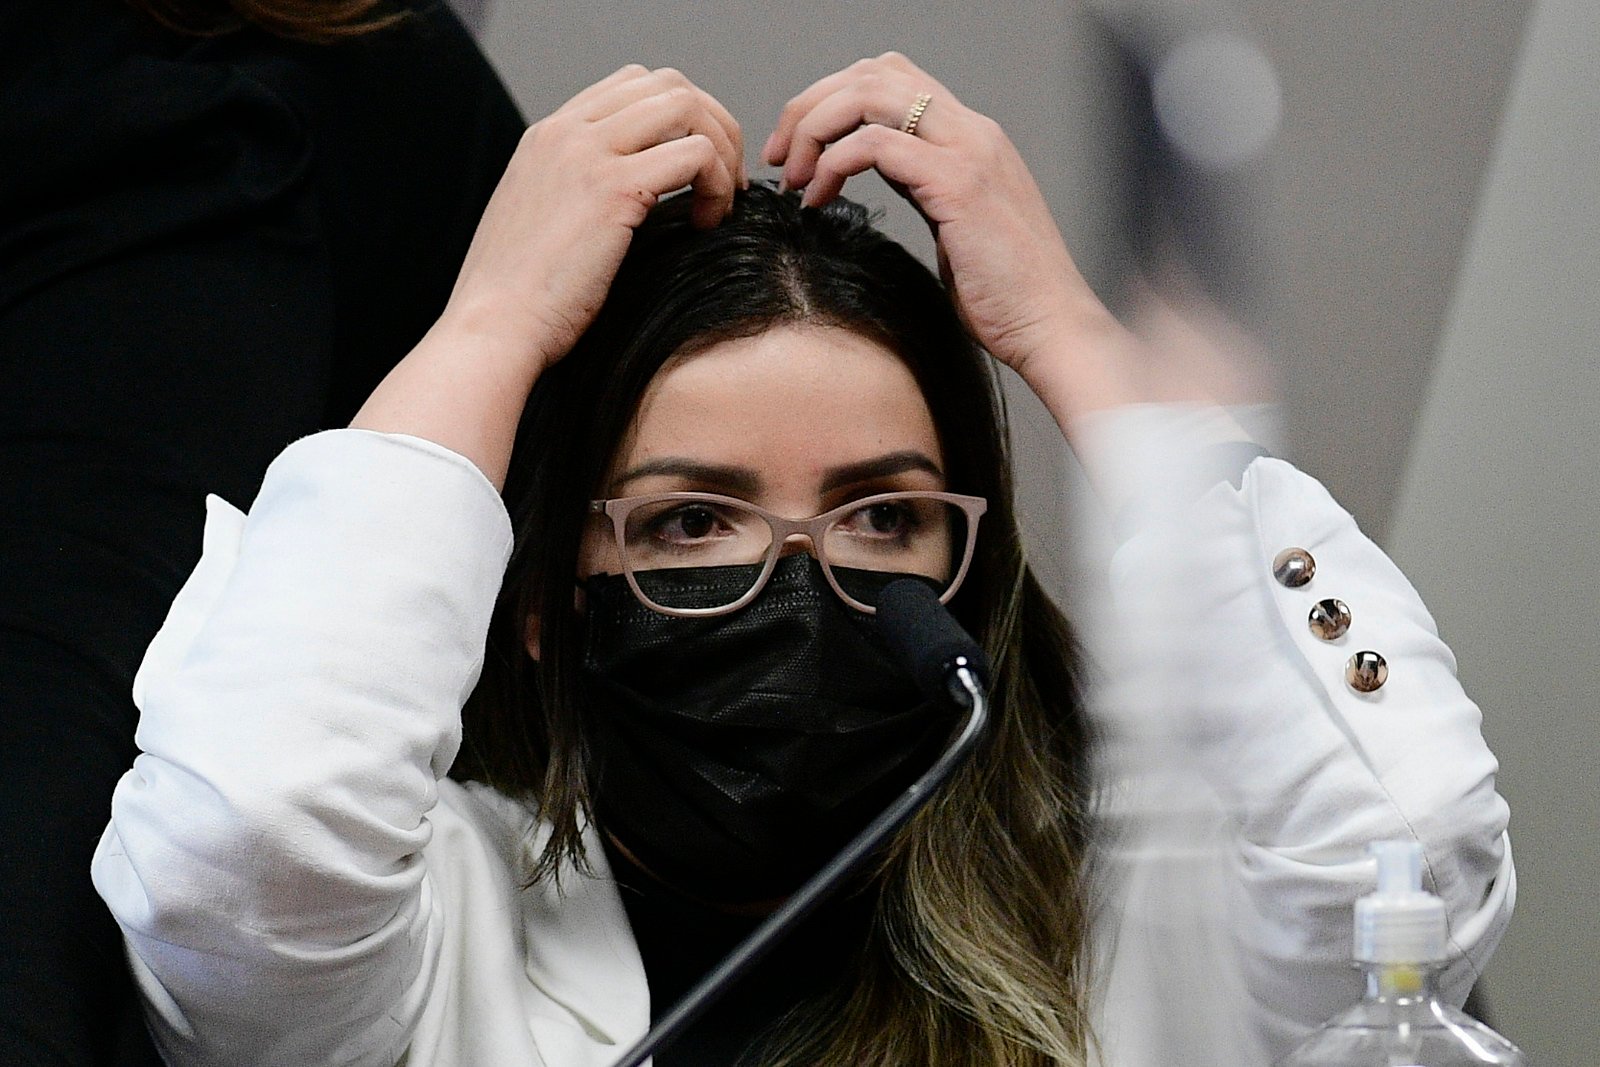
[220, 225]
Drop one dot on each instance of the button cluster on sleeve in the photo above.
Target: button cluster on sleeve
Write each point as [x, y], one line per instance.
[1329, 620]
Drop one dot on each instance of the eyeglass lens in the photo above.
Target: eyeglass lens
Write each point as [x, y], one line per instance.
[902, 535]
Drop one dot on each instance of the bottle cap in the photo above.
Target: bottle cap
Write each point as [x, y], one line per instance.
[1400, 923]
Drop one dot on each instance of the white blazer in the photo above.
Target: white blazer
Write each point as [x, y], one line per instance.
[299, 884]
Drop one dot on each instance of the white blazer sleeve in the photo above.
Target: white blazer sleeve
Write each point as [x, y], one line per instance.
[1307, 769]
[297, 709]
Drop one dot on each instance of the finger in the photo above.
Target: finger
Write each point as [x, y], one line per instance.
[692, 161]
[776, 149]
[630, 73]
[732, 129]
[667, 81]
[907, 162]
[899, 61]
[667, 116]
[878, 98]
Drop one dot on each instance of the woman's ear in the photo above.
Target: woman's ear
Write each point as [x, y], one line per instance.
[530, 636]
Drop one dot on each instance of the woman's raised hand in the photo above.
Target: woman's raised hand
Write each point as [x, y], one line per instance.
[546, 252]
[579, 184]
[1007, 267]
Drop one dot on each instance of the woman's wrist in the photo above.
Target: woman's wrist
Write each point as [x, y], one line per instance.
[505, 333]
[463, 387]
[1084, 361]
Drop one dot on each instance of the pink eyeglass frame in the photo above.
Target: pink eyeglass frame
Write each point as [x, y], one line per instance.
[617, 509]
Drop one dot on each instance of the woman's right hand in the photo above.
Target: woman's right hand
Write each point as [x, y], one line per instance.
[547, 249]
[579, 184]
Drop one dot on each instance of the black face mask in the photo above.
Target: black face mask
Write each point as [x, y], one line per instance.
[736, 754]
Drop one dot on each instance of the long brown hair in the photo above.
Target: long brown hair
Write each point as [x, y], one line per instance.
[976, 953]
[318, 21]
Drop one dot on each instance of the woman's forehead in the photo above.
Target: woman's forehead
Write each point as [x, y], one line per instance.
[793, 399]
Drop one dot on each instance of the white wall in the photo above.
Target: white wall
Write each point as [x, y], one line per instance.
[1498, 520]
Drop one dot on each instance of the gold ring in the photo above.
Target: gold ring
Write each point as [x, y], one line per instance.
[914, 116]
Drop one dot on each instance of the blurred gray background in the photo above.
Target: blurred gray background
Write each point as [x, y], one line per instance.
[1433, 257]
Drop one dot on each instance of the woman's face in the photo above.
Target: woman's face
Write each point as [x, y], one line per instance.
[798, 420]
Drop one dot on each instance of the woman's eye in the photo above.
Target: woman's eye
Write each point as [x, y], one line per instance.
[691, 523]
[889, 519]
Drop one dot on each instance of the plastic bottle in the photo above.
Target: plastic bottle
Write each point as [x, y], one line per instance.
[1400, 943]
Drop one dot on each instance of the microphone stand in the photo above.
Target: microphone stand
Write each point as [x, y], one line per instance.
[962, 683]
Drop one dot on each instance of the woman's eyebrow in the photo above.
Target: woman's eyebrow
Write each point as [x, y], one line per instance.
[880, 467]
[733, 481]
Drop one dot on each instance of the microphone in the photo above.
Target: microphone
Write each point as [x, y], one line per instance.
[930, 643]
[947, 665]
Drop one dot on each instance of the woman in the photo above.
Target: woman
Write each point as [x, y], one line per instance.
[674, 634]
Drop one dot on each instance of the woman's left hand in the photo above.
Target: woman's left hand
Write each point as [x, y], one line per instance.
[1000, 253]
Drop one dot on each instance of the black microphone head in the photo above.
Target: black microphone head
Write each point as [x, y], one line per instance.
[926, 638]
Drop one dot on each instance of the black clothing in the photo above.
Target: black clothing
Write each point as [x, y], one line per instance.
[680, 940]
[208, 248]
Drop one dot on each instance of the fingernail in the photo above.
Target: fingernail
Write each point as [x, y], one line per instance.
[783, 185]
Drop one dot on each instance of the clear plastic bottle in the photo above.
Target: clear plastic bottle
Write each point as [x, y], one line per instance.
[1400, 942]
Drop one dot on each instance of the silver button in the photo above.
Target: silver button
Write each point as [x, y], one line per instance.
[1293, 567]
[1366, 672]
[1329, 619]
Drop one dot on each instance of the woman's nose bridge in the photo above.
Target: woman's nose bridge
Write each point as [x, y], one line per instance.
[797, 542]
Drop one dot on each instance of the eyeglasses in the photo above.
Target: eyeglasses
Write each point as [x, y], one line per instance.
[928, 534]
